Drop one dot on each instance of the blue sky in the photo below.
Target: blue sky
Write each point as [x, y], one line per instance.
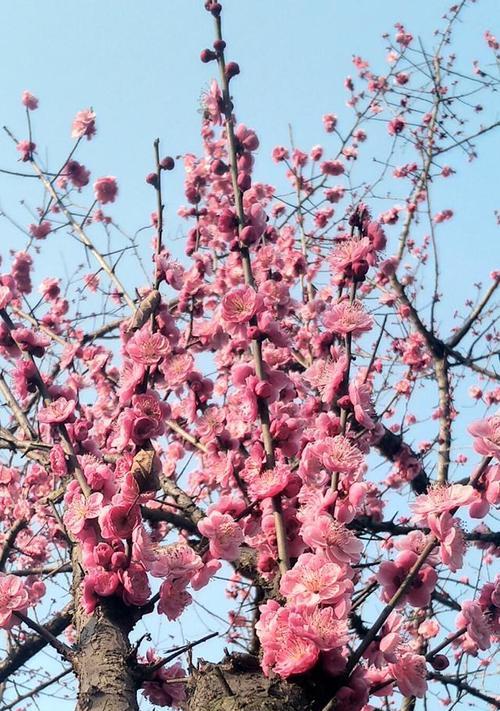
[137, 64]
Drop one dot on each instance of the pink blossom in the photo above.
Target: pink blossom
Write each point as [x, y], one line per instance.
[320, 625]
[314, 580]
[344, 318]
[26, 149]
[396, 125]
[136, 590]
[13, 597]
[28, 100]
[410, 673]
[84, 124]
[332, 167]
[58, 411]
[269, 482]
[448, 532]
[442, 498]
[329, 122]
[238, 305]
[339, 455]
[478, 629]
[76, 173]
[333, 539]
[327, 376]
[295, 655]
[174, 561]
[160, 691]
[173, 600]
[224, 535]
[147, 348]
[486, 435]
[105, 189]
[118, 521]
[80, 510]
[392, 573]
[41, 230]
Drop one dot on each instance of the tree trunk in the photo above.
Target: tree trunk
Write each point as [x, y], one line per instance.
[102, 658]
[238, 684]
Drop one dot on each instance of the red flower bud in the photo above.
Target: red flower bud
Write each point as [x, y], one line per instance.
[152, 179]
[248, 235]
[219, 45]
[439, 662]
[167, 163]
[207, 55]
[232, 69]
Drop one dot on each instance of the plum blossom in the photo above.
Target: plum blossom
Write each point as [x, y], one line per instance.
[442, 498]
[314, 580]
[147, 348]
[57, 412]
[82, 509]
[336, 542]
[224, 535]
[486, 435]
[344, 318]
[410, 673]
[84, 124]
[239, 305]
[105, 189]
[13, 597]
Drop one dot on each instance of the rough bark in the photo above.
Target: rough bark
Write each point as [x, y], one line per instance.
[238, 684]
[102, 658]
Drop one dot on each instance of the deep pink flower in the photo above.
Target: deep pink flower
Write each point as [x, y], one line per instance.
[136, 590]
[392, 573]
[269, 482]
[147, 348]
[396, 125]
[26, 149]
[105, 189]
[118, 521]
[84, 124]
[329, 122]
[239, 304]
[58, 411]
[78, 174]
[320, 625]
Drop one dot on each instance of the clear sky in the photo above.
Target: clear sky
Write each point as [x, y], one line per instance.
[137, 64]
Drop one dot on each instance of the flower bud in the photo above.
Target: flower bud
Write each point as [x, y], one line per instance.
[207, 55]
[152, 179]
[167, 163]
[232, 69]
[219, 45]
[439, 662]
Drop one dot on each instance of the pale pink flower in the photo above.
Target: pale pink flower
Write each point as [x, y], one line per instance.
[338, 455]
[82, 509]
[410, 673]
[478, 635]
[295, 655]
[13, 596]
[329, 122]
[320, 625]
[147, 348]
[327, 375]
[173, 600]
[224, 535]
[337, 543]
[448, 532]
[486, 435]
[314, 580]
[174, 561]
[442, 498]
[105, 189]
[28, 100]
[239, 304]
[58, 411]
[269, 482]
[176, 369]
[344, 318]
[84, 124]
